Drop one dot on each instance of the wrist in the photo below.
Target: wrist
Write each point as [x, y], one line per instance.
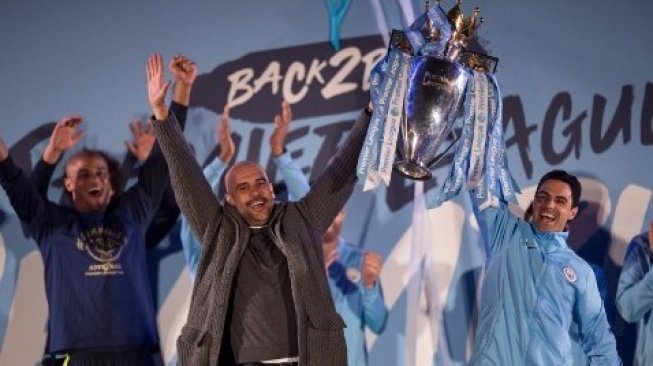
[225, 159]
[160, 112]
[51, 154]
[277, 152]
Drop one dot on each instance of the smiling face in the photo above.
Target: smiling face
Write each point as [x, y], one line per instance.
[250, 192]
[89, 182]
[552, 207]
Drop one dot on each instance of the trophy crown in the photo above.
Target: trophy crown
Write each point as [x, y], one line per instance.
[456, 17]
[471, 24]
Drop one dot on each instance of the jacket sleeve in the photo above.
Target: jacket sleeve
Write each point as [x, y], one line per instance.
[335, 184]
[192, 248]
[495, 221]
[144, 197]
[635, 290]
[375, 312]
[293, 176]
[181, 113]
[41, 176]
[31, 207]
[194, 194]
[595, 335]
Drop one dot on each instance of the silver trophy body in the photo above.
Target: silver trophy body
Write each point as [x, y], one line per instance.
[435, 92]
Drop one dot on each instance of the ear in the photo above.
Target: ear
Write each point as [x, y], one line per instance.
[272, 190]
[573, 213]
[229, 199]
[68, 184]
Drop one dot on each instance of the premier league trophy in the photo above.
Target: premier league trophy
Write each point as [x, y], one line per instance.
[418, 92]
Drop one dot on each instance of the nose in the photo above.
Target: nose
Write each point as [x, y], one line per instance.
[549, 202]
[256, 193]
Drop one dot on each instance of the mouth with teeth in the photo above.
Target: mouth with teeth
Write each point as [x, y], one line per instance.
[95, 192]
[258, 205]
[547, 217]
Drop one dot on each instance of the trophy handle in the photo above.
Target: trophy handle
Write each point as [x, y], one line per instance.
[437, 158]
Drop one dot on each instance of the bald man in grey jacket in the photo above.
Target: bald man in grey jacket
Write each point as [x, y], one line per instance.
[261, 294]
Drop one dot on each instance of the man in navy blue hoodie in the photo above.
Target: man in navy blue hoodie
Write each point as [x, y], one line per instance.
[99, 297]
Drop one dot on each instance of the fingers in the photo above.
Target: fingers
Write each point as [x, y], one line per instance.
[373, 256]
[154, 66]
[131, 147]
[223, 123]
[77, 136]
[286, 112]
[149, 128]
[372, 262]
[71, 121]
[225, 114]
[136, 128]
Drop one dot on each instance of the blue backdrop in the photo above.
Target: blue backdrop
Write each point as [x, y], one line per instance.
[578, 95]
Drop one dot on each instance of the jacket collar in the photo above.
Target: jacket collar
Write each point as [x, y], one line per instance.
[550, 242]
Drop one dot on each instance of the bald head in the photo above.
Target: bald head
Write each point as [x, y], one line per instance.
[250, 191]
[230, 179]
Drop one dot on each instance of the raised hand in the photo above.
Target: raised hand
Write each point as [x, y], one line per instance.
[185, 72]
[143, 139]
[183, 69]
[371, 268]
[223, 136]
[4, 150]
[281, 125]
[66, 134]
[157, 86]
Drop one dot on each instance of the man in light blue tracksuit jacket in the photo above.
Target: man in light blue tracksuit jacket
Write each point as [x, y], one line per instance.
[635, 293]
[535, 285]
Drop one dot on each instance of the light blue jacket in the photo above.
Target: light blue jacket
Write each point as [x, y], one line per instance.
[359, 306]
[534, 288]
[635, 296]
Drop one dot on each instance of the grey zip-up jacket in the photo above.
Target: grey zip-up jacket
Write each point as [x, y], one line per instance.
[295, 227]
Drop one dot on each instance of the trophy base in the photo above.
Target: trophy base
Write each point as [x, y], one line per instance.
[412, 170]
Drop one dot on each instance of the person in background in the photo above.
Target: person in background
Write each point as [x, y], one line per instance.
[99, 298]
[66, 136]
[635, 293]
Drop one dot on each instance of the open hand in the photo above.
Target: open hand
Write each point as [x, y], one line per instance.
[66, 134]
[281, 125]
[157, 86]
[223, 135]
[143, 139]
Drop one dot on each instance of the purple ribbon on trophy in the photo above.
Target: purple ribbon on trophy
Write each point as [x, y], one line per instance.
[418, 91]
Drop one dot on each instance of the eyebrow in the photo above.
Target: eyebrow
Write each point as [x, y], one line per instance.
[549, 194]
